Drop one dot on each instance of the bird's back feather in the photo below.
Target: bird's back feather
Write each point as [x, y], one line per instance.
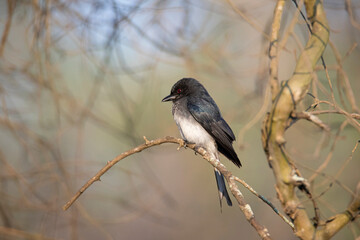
[206, 112]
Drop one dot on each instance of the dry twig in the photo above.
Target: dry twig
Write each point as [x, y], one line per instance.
[244, 207]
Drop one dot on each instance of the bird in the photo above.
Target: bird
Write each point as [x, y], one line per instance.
[200, 122]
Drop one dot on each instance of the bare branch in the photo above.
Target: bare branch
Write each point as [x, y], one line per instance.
[244, 207]
[11, 7]
[247, 186]
[353, 115]
[275, 123]
[337, 222]
[111, 163]
[273, 49]
[21, 234]
[342, 76]
[247, 19]
[312, 118]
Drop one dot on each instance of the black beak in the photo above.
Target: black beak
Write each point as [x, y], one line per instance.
[169, 98]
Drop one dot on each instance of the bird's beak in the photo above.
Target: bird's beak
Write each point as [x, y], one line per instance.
[169, 98]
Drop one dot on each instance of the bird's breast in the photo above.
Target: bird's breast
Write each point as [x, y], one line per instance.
[192, 131]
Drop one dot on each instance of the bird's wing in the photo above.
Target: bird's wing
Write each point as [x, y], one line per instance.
[208, 115]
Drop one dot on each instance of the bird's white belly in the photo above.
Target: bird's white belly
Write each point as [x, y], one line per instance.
[193, 132]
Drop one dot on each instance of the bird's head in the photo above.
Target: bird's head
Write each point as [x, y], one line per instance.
[183, 88]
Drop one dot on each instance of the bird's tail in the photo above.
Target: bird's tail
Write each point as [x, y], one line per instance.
[222, 188]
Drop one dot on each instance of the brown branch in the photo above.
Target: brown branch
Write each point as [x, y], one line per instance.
[14, 233]
[287, 176]
[11, 6]
[341, 169]
[247, 186]
[275, 124]
[255, 119]
[354, 206]
[255, 25]
[353, 115]
[273, 49]
[349, 9]
[244, 207]
[330, 154]
[311, 118]
[289, 32]
[337, 222]
[111, 163]
[342, 76]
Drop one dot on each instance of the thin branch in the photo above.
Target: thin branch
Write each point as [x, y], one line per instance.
[353, 115]
[247, 186]
[254, 24]
[255, 119]
[244, 207]
[349, 9]
[11, 6]
[111, 163]
[20, 234]
[311, 118]
[337, 222]
[342, 76]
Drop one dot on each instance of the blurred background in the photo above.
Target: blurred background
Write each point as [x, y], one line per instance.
[82, 81]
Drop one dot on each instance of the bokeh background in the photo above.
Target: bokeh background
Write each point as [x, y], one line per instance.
[82, 81]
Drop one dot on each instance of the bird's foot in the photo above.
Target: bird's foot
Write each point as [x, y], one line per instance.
[182, 144]
[196, 149]
[187, 144]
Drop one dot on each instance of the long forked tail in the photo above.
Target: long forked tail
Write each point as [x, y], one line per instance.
[220, 181]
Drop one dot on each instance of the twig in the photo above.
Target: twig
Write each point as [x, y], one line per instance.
[254, 24]
[290, 29]
[339, 172]
[337, 222]
[349, 8]
[21, 234]
[11, 6]
[312, 118]
[353, 115]
[256, 118]
[342, 76]
[111, 163]
[244, 207]
[247, 186]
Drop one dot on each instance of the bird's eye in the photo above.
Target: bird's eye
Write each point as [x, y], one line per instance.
[179, 90]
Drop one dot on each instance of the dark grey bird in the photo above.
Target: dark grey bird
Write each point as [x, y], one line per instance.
[199, 121]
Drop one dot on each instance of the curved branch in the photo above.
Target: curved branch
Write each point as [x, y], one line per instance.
[275, 124]
[123, 155]
[231, 179]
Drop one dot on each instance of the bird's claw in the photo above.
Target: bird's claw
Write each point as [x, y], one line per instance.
[196, 149]
[181, 144]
